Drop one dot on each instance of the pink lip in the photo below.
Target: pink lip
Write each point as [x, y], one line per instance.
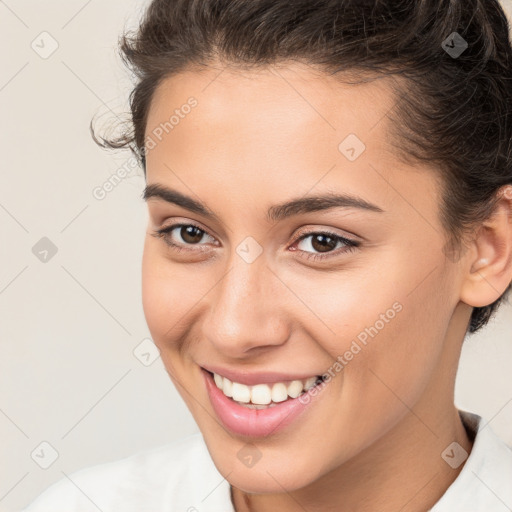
[251, 379]
[252, 422]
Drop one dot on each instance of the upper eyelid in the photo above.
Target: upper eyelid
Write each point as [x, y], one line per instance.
[178, 223]
[327, 231]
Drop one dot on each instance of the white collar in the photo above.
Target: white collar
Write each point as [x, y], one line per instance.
[485, 482]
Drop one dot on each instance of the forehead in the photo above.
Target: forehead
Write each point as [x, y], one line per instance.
[289, 126]
[276, 100]
[271, 113]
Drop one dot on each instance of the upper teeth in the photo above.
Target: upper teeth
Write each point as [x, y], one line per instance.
[263, 394]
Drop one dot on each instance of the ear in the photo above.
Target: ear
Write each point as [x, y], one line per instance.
[489, 260]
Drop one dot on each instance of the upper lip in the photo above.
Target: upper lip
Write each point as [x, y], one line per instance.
[253, 378]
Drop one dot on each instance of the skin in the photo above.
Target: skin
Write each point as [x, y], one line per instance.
[262, 137]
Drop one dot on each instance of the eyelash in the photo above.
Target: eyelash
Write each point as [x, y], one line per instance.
[350, 245]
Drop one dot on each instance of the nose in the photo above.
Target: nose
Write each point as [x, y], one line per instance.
[247, 310]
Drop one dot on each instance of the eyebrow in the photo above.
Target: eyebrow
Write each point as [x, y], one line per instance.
[275, 212]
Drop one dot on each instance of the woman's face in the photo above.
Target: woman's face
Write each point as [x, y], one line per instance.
[243, 294]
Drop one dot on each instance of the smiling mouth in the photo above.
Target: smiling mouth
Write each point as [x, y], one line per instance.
[263, 396]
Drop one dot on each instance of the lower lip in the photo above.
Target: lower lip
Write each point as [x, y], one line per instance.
[252, 422]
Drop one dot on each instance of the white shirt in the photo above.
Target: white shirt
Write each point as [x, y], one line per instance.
[182, 477]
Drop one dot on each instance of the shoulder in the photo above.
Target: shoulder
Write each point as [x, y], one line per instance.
[148, 480]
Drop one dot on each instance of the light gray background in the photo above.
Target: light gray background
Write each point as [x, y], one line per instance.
[69, 326]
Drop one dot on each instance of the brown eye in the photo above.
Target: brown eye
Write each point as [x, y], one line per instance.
[191, 234]
[179, 236]
[323, 243]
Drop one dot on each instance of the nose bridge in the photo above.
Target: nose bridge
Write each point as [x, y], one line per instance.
[243, 310]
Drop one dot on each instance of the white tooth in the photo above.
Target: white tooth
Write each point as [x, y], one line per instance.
[227, 387]
[294, 388]
[310, 383]
[279, 392]
[241, 392]
[261, 394]
[218, 380]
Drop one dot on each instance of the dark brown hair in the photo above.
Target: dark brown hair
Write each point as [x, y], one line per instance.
[453, 103]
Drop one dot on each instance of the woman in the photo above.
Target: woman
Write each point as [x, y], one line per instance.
[329, 188]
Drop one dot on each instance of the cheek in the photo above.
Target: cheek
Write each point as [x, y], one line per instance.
[401, 331]
[380, 325]
[168, 292]
[390, 339]
[155, 293]
[339, 309]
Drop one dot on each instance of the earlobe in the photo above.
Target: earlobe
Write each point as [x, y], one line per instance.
[489, 263]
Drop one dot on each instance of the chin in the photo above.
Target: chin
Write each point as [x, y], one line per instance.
[270, 474]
